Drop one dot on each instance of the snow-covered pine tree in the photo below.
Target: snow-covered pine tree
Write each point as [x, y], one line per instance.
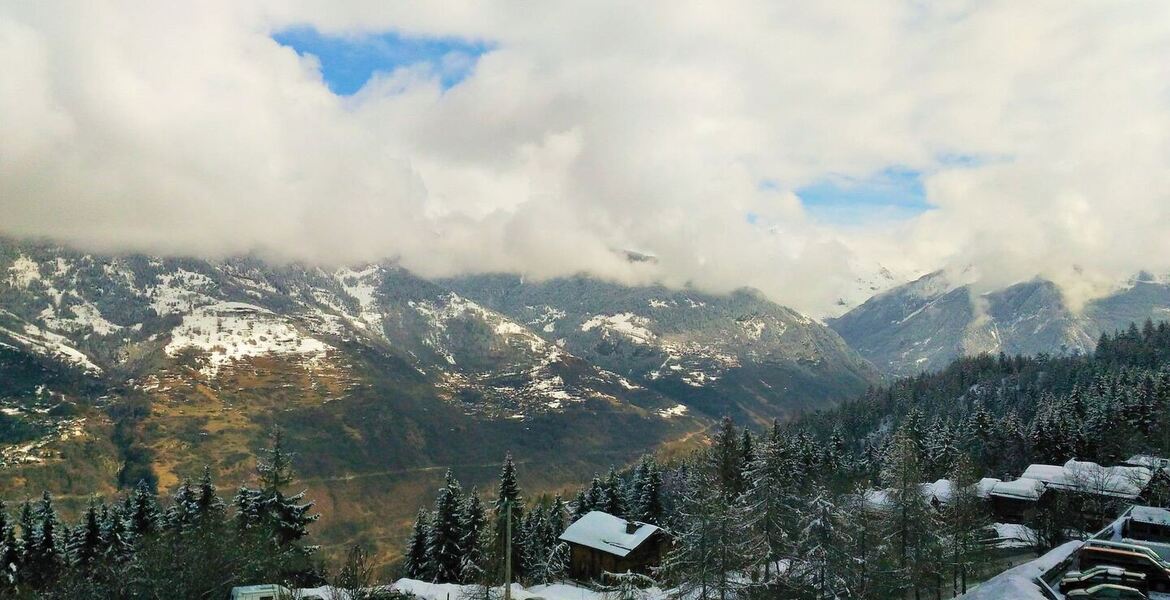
[473, 519]
[28, 536]
[713, 547]
[626, 586]
[964, 519]
[771, 503]
[613, 501]
[912, 522]
[85, 544]
[117, 543]
[747, 453]
[726, 460]
[417, 565]
[444, 545]
[143, 516]
[9, 551]
[45, 559]
[649, 508]
[508, 495]
[180, 515]
[288, 516]
[209, 507]
[249, 509]
[634, 489]
[581, 506]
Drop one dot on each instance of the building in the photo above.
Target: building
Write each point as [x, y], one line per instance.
[1015, 501]
[602, 543]
[1148, 523]
[267, 591]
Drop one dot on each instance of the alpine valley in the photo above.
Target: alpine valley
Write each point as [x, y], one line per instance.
[121, 368]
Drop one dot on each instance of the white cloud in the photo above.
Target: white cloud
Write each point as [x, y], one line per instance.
[184, 128]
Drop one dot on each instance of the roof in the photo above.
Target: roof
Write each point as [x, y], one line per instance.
[1022, 488]
[1150, 515]
[985, 485]
[942, 490]
[605, 532]
[1147, 461]
[1092, 478]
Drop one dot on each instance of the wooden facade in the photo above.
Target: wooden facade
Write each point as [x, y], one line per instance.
[589, 564]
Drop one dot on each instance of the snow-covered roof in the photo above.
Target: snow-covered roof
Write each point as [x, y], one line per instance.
[1022, 488]
[941, 490]
[1020, 583]
[605, 532]
[1014, 535]
[1092, 478]
[983, 488]
[1147, 461]
[1151, 515]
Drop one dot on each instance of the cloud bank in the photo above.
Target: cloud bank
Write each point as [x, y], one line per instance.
[1041, 131]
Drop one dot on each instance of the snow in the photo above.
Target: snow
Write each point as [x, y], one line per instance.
[677, 410]
[628, 325]
[656, 303]
[605, 532]
[174, 293]
[230, 331]
[1014, 535]
[1151, 515]
[85, 317]
[50, 344]
[985, 485]
[362, 286]
[1019, 583]
[23, 272]
[1090, 477]
[1023, 488]
[554, 591]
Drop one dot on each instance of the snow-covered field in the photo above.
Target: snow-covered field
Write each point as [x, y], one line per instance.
[230, 331]
[556, 591]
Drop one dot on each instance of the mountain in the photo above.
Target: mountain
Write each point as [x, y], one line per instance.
[737, 354]
[924, 324]
[119, 368]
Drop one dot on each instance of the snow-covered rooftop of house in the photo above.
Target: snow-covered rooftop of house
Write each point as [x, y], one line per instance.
[1024, 488]
[941, 490]
[605, 532]
[985, 485]
[1020, 583]
[1147, 461]
[1151, 515]
[1090, 477]
[1014, 535]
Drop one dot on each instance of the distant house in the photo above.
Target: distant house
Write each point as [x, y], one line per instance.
[1014, 501]
[1148, 523]
[601, 543]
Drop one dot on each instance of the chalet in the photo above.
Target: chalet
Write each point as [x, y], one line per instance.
[1148, 523]
[1014, 501]
[602, 543]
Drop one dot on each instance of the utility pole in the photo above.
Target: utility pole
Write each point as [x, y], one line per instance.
[508, 550]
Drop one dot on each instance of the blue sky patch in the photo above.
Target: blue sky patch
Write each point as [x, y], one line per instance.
[893, 193]
[348, 62]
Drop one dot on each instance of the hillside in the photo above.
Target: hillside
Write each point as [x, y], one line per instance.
[120, 368]
[924, 324]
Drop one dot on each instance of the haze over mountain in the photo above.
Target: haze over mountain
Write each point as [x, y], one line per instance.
[925, 324]
[786, 149]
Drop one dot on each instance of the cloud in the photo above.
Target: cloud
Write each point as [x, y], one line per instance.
[1039, 132]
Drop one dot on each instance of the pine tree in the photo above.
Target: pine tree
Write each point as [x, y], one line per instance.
[117, 542]
[650, 501]
[180, 516]
[771, 502]
[418, 564]
[45, 561]
[726, 459]
[747, 453]
[473, 520]
[143, 514]
[613, 501]
[9, 551]
[444, 547]
[249, 509]
[581, 505]
[288, 516]
[209, 507]
[85, 545]
[508, 495]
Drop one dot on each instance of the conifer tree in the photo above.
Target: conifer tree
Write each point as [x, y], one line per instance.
[614, 495]
[714, 547]
[444, 545]
[44, 561]
[727, 461]
[143, 515]
[180, 516]
[209, 507]
[85, 545]
[649, 508]
[9, 551]
[117, 542]
[417, 555]
[473, 520]
[581, 506]
[508, 495]
[288, 516]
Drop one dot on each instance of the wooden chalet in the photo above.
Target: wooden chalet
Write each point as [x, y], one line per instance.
[602, 543]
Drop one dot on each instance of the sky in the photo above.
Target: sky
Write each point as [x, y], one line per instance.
[794, 147]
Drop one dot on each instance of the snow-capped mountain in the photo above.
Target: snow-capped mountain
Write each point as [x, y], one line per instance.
[737, 352]
[924, 324]
[116, 368]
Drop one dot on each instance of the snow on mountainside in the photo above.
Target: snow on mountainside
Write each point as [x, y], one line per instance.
[924, 324]
[739, 351]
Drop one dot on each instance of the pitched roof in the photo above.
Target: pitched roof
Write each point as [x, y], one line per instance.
[605, 532]
[1023, 488]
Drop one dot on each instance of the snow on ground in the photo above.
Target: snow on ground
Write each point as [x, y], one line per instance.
[1019, 583]
[677, 410]
[86, 317]
[229, 331]
[1014, 535]
[363, 286]
[628, 325]
[555, 591]
[47, 343]
[23, 272]
[175, 293]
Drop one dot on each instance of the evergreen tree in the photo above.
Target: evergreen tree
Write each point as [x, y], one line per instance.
[418, 564]
[727, 461]
[143, 514]
[614, 495]
[444, 545]
[287, 516]
[473, 521]
[508, 496]
[771, 503]
[44, 560]
[10, 551]
[181, 515]
[85, 545]
[650, 508]
[209, 507]
[713, 546]
[581, 505]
